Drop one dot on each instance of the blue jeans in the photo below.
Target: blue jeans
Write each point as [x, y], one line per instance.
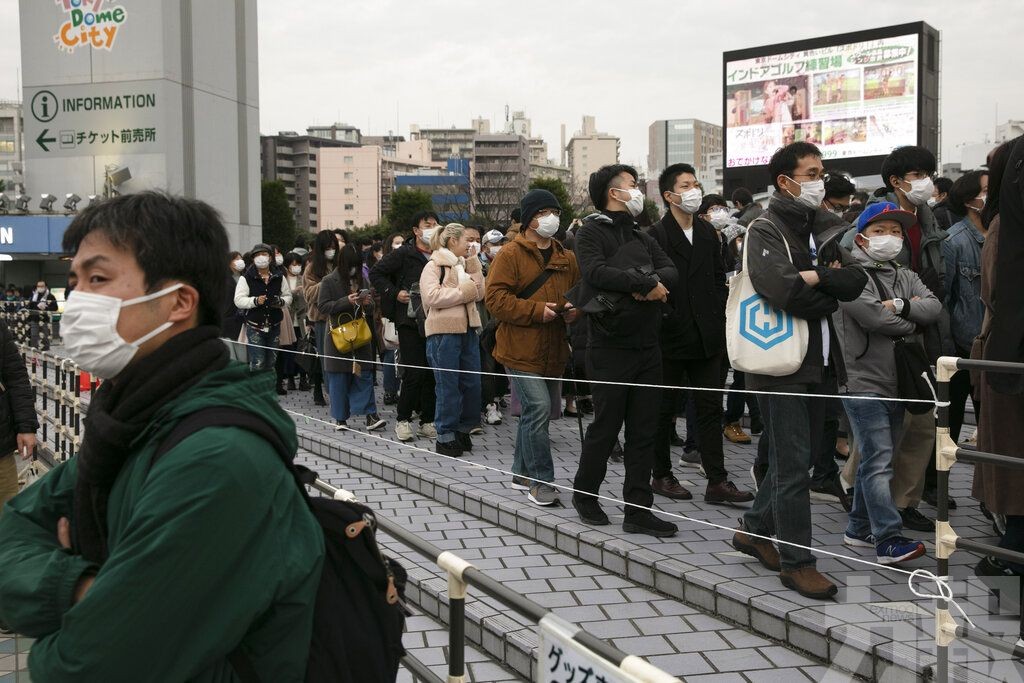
[875, 425]
[261, 358]
[390, 376]
[458, 393]
[783, 502]
[350, 394]
[533, 443]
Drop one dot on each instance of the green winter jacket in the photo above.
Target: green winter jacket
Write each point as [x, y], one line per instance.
[211, 548]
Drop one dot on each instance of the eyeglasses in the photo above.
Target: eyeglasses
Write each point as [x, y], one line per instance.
[548, 212]
[813, 175]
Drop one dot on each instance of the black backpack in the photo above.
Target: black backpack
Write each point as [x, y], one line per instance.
[360, 605]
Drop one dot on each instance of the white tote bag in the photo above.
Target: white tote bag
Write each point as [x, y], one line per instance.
[762, 340]
[390, 334]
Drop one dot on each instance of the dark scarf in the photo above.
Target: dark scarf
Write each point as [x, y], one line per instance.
[120, 411]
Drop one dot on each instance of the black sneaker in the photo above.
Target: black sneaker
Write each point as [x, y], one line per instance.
[756, 426]
[340, 426]
[676, 439]
[585, 406]
[993, 566]
[450, 449]
[318, 399]
[643, 522]
[374, 422]
[912, 519]
[464, 440]
[931, 496]
[590, 512]
[390, 399]
[304, 384]
[291, 384]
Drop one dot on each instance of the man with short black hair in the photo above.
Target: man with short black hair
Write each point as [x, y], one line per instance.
[747, 208]
[782, 266]
[839, 191]
[127, 567]
[626, 277]
[945, 216]
[692, 336]
[394, 278]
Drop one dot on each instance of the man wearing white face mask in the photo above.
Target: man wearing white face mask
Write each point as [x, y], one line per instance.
[626, 279]
[214, 531]
[692, 335]
[785, 271]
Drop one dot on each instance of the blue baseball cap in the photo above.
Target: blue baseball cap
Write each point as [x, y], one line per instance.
[885, 211]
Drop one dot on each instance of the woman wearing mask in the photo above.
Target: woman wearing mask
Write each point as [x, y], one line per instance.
[349, 376]
[323, 259]
[287, 367]
[264, 296]
[451, 285]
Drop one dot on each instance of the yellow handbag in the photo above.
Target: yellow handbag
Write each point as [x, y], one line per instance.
[351, 332]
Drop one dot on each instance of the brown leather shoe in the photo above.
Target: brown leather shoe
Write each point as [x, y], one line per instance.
[808, 582]
[734, 432]
[726, 492]
[670, 487]
[764, 551]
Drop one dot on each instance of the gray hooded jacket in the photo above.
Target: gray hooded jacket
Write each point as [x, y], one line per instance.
[866, 328]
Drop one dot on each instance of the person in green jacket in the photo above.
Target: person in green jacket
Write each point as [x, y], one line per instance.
[127, 570]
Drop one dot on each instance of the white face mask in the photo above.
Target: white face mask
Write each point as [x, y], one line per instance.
[493, 251]
[238, 264]
[812, 193]
[932, 201]
[719, 217]
[473, 249]
[883, 247]
[635, 203]
[396, 245]
[427, 234]
[329, 254]
[279, 260]
[261, 262]
[920, 191]
[89, 330]
[296, 270]
[690, 200]
[547, 226]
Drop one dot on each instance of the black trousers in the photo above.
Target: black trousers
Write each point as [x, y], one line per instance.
[735, 402]
[699, 372]
[617, 404]
[417, 391]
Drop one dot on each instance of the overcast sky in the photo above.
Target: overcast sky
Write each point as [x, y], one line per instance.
[385, 64]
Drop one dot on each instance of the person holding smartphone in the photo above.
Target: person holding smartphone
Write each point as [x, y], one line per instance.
[349, 376]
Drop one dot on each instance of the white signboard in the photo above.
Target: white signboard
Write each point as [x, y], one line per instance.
[95, 119]
[563, 660]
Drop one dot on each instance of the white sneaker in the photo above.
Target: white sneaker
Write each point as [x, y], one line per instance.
[403, 430]
[428, 430]
[492, 416]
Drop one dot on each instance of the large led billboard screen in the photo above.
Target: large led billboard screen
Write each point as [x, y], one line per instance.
[856, 96]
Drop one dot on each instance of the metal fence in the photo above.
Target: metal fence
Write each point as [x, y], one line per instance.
[946, 540]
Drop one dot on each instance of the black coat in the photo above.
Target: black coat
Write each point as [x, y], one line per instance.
[265, 315]
[397, 271]
[600, 243]
[17, 398]
[693, 324]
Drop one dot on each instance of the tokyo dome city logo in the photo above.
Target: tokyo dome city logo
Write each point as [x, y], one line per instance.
[88, 23]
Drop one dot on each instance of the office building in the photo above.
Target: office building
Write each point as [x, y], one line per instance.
[11, 146]
[689, 141]
[448, 142]
[293, 159]
[500, 176]
[449, 189]
[589, 150]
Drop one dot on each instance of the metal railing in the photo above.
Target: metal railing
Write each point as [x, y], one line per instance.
[58, 384]
[33, 328]
[462, 574]
[946, 540]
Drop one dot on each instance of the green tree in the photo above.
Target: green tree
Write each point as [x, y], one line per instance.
[651, 214]
[557, 188]
[405, 203]
[278, 220]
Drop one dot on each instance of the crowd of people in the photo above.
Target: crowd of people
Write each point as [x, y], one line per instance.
[548, 320]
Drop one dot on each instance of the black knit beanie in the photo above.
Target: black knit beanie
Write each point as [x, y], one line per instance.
[535, 201]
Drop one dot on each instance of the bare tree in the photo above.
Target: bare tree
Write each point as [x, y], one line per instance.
[498, 185]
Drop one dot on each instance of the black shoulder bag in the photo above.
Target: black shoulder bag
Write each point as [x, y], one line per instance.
[914, 378]
[489, 333]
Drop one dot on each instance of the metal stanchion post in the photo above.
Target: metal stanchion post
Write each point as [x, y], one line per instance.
[945, 538]
[78, 409]
[455, 566]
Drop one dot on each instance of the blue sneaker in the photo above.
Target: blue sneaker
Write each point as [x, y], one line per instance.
[898, 549]
[858, 541]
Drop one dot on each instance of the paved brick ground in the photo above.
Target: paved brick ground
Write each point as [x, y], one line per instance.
[678, 638]
[875, 627]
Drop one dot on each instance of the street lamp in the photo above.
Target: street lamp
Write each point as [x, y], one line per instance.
[46, 202]
[71, 202]
[21, 202]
